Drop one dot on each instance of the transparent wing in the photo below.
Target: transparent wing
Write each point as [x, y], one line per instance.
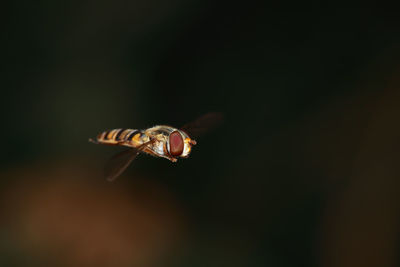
[203, 124]
[120, 161]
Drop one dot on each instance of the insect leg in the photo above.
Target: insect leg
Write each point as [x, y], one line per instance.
[93, 141]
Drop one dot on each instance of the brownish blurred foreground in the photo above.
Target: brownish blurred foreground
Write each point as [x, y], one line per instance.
[362, 221]
[59, 216]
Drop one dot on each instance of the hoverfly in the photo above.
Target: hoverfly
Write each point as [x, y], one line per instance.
[160, 141]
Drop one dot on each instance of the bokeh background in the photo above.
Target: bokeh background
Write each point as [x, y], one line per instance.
[303, 171]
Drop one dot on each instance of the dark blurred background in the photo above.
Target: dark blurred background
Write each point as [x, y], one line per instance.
[303, 171]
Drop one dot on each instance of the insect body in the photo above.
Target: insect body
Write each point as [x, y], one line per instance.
[162, 141]
[159, 141]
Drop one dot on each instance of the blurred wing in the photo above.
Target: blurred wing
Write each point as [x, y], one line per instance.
[120, 161]
[203, 124]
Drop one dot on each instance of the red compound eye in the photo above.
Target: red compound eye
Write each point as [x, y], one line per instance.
[175, 144]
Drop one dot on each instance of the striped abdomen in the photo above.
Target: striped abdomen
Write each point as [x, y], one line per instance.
[121, 137]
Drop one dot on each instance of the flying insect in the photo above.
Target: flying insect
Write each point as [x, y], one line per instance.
[160, 141]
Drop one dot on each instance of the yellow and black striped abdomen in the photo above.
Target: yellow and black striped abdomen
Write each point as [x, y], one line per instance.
[120, 137]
